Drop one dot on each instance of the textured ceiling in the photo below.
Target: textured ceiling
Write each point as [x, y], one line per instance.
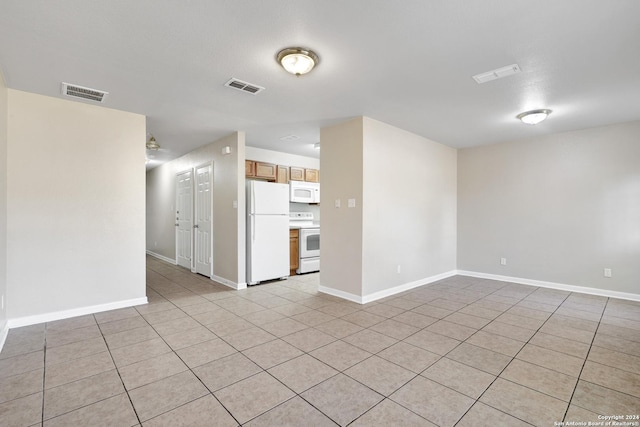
[407, 63]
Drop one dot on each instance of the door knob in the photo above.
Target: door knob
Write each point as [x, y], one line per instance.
[196, 226]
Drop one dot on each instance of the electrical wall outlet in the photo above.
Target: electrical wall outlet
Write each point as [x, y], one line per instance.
[351, 203]
[607, 272]
[503, 261]
[398, 269]
[337, 203]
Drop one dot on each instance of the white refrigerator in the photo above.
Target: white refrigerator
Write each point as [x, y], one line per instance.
[267, 231]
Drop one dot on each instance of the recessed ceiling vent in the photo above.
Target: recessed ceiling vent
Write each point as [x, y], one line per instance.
[244, 86]
[496, 74]
[289, 138]
[76, 91]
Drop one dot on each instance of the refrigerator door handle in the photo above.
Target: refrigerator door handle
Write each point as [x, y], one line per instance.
[253, 199]
[252, 210]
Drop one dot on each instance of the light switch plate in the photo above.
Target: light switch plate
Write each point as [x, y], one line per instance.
[352, 203]
[337, 203]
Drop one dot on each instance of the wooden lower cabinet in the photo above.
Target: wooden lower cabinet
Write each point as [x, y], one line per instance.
[294, 252]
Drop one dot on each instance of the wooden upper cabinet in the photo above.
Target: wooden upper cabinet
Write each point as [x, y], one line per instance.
[296, 174]
[311, 175]
[282, 174]
[279, 173]
[249, 168]
[265, 171]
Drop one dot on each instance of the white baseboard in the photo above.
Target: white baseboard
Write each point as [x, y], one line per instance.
[386, 292]
[229, 283]
[553, 285]
[4, 331]
[65, 314]
[162, 257]
[405, 287]
[340, 294]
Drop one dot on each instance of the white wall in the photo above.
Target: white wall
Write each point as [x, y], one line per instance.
[228, 221]
[341, 229]
[404, 188]
[560, 208]
[409, 208]
[3, 206]
[75, 208]
[279, 158]
[160, 211]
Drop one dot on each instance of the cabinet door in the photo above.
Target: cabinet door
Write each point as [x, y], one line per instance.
[249, 168]
[311, 175]
[296, 174]
[283, 175]
[265, 170]
[294, 253]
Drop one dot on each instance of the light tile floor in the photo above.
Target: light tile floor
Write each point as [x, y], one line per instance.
[462, 351]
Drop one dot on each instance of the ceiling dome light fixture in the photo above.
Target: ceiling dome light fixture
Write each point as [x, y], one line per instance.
[152, 144]
[297, 60]
[534, 117]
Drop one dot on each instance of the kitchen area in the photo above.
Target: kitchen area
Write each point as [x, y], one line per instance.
[283, 221]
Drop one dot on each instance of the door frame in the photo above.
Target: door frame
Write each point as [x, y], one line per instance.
[175, 212]
[210, 165]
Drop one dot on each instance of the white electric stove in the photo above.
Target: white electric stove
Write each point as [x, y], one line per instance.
[309, 241]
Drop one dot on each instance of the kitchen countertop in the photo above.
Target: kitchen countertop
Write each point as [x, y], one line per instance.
[298, 227]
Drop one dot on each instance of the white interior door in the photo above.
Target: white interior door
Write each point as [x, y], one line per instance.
[184, 218]
[203, 220]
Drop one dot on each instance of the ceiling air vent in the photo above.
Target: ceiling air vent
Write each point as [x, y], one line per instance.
[76, 91]
[496, 74]
[244, 86]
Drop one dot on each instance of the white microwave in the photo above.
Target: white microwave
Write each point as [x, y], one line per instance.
[304, 192]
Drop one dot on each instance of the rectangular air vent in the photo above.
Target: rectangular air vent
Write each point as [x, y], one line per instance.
[289, 138]
[498, 73]
[244, 86]
[76, 91]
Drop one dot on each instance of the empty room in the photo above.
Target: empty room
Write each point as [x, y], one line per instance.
[475, 167]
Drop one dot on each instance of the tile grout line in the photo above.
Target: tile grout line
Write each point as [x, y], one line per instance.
[238, 351]
[496, 376]
[188, 368]
[512, 358]
[304, 353]
[44, 372]
[79, 379]
[404, 310]
[135, 411]
[586, 358]
[416, 375]
[263, 370]
[441, 356]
